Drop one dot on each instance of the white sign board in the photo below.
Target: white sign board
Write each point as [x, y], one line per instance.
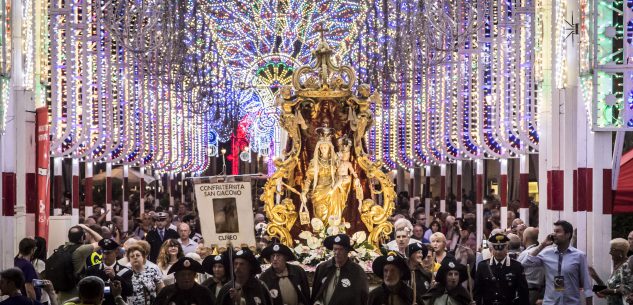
[226, 213]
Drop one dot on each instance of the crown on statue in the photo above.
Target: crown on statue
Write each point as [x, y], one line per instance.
[345, 144]
[324, 132]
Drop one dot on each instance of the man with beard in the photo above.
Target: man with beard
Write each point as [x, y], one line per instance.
[245, 289]
[339, 281]
[393, 271]
[448, 289]
[288, 283]
[185, 291]
[500, 280]
[421, 278]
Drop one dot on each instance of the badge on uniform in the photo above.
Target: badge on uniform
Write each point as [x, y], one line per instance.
[257, 300]
[274, 293]
[345, 283]
[559, 283]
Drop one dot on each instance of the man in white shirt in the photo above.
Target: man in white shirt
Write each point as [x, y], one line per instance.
[188, 245]
[533, 274]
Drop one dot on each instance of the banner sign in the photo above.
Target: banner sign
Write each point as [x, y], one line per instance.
[226, 213]
[43, 195]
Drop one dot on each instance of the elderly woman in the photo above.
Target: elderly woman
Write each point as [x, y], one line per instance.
[169, 253]
[146, 282]
[403, 229]
[438, 243]
[448, 289]
[620, 283]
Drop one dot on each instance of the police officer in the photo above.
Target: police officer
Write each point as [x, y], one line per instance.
[288, 284]
[421, 278]
[500, 280]
[110, 270]
[159, 234]
[393, 271]
[245, 289]
[185, 291]
[339, 281]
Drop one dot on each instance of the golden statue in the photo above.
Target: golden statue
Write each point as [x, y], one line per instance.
[321, 178]
[315, 178]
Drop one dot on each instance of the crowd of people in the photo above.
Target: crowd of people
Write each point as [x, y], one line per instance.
[433, 258]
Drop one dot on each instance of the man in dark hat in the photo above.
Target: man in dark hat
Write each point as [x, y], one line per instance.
[339, 281]
[421, 278]
[500, 280]
[218, 266]
[159, 234]
[245, 289]
[393, 271]
[185, 291]
[449, 289]
[288, 284]
[110, 270]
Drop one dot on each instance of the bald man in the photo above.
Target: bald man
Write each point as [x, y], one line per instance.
[535, 276]
[188, 245]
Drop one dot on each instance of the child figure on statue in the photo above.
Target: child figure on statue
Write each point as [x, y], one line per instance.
[346, 175]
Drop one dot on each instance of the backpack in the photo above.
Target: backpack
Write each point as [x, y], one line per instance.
[60, 270]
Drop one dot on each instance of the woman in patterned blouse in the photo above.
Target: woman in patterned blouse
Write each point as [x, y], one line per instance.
[146, 282]
[620, 283]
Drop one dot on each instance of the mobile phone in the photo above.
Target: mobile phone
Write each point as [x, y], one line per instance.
[38, 283]
[550, 237]
[106, 289]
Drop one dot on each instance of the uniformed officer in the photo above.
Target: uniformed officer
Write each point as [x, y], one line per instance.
[500, 280]
[185, 291]
[158, 235]
[339, 281]
[421, 278]
[246, 289]
[219, 268]
[110, 270]
[288, 284]
[393, 270]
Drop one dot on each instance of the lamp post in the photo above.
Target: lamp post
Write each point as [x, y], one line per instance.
[223, 151]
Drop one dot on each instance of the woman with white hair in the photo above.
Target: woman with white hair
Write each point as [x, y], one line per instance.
[403, 231]
[620, 283]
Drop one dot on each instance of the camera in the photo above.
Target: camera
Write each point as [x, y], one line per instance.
[550, 237]
[38, 283]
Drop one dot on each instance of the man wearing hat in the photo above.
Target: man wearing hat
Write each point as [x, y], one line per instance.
[500, 280]
[393, 271]
[449, 289]
[421, 278]
[218, 267]
[339, 281]
[288, 284]
[185, 291]
[110, 270]
[159, 234]
[245, 289]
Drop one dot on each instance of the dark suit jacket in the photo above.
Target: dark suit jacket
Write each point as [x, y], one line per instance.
[171, 295]
[352, 287]
[154, 240]
[505, 284]
[123, 275]
[296, 275]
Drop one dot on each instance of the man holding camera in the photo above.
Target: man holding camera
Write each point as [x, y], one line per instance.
[92, 291]
[110, 270]
[566, 269]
